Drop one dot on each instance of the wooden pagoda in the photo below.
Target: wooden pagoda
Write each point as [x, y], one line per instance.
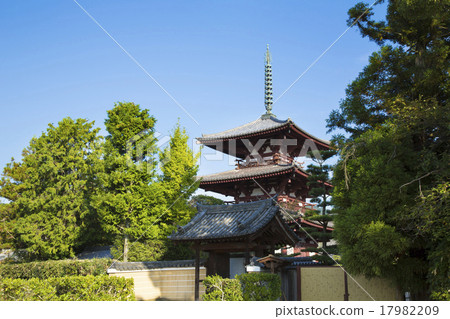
[265, 150]
[265, 173]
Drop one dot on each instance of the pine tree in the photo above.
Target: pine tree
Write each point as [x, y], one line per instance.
[205, 200]
[392, 176]
[319, 189]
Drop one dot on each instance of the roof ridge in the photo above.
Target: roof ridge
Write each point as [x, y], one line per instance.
[264, 122]
[238, 220]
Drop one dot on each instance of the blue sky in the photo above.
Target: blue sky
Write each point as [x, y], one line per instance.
[209, 55]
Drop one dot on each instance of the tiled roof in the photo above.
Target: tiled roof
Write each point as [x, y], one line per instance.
[258, 126]
[228, 221]
[301, 261]
[250, 172]
[148, 265]
[96, 252]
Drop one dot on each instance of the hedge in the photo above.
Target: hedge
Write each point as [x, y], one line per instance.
[54, 268]
[260, 286]
[220, 289]
[248, 287]
[92, 288]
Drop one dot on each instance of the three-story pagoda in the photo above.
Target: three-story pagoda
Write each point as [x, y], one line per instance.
[265, 150]
[254, 225]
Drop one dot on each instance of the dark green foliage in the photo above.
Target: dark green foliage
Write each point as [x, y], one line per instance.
[125, 121]
[71, 191]
[389, 185]
[414, 66]
[6, 219]
[81, 288]
[137, 205]
[205, 200]
[369, 205]
[49, 213]
[54, 268]
[319, 183]
[153, 250]
[222, 289]
[434, 220]
[260, 286]
[129, 202]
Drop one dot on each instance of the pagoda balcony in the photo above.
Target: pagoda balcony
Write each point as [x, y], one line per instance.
[296, 207]
[275, 159]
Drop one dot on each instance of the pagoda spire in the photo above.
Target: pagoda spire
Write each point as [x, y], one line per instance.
[268, 101]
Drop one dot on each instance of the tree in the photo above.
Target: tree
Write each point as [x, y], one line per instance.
[49, 191]
[319, 189]
[6, 236]
[369, 205]
[204, 200]
[140, 203]
[434, 217]
[395, 160]
[126, 124]
[129, 200]
[179, 169]
[11, 186]
[412, 62]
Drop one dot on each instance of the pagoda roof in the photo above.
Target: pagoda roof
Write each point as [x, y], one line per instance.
[251, 172]
[314, 224]
[260, 126]
[233, 222]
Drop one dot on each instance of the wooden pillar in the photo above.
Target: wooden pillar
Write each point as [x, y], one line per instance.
[211, 268]
[272, 267]
[197, 272]
[346, 294]
[259, 251]
[299, 283]
[272, 247]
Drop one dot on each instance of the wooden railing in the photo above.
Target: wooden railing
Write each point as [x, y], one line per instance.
[289, 203]
[295, 205]
[276, 158]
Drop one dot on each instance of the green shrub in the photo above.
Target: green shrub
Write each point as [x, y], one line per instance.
[153, 250]
[260, 286]
[92, 288]
[54, 268]
[443, 295]
[21, 289]
[220, 289]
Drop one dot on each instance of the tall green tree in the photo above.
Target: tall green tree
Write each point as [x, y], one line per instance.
[50, 190]
[394, 160]
[11, 185]
[145, 195]
[179, 168]
[6, 236]
[130, 197]
[411, 64]
[319, 183]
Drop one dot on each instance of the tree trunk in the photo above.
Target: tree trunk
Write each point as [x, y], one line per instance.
[125, 247]
[125, 241]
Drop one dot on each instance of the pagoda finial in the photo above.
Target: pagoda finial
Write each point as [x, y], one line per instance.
[268, 86]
